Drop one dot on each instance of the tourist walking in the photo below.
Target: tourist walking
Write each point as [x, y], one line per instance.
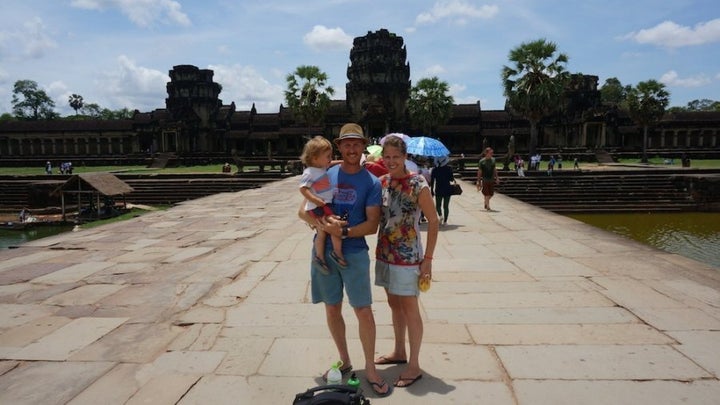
[401, 261]
[360, 199]
[440, 178]
[551, 165]
[487, 177]
[520, 167]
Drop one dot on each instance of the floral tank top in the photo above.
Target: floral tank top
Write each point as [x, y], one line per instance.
[399, 240]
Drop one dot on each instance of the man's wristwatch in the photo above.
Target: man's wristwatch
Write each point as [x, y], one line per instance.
[345, 231]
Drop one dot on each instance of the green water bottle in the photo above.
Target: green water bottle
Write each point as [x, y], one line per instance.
[353, 381]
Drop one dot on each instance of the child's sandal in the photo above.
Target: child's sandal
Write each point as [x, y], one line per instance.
[338, 260]
[322, 266]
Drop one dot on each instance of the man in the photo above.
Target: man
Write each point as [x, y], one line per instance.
[487, 176]
[357, 197]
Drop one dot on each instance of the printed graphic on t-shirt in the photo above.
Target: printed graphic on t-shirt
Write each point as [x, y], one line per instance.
[346, 194]
[321, 184]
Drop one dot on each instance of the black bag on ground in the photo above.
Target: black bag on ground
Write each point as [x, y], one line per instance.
[331, 395]
[455, 189]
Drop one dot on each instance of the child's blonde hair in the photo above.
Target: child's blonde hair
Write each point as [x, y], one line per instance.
[313, 148]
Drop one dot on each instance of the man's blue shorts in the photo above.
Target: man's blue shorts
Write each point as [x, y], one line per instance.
[355, 279]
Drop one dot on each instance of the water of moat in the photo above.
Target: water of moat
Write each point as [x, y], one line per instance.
[693, 234]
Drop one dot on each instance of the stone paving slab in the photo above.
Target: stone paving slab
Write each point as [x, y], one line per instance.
[61, 343]
[208, 302]
[472, 316]
[553, 392]
[599, 362]
[32, 331]
[587, 334]
[703, 347]
[72, 274]
[48, 382]
[526, 299]
[164, 389]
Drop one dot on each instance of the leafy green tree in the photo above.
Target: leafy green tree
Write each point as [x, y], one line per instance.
[121, 114]
[91, 110]
[430, 104]
[703, 105]
[613, 92]
[7, 117]
[308, 95]
[76, 102]
[32, 103]
[535, 83]
[646, 104]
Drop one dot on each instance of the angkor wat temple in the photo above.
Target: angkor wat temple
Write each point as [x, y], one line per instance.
[196, 122]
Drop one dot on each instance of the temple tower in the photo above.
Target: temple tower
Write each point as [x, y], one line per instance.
[193, 106]
[379, 82]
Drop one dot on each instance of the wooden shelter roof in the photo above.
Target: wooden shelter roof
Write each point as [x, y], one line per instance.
[104, 183]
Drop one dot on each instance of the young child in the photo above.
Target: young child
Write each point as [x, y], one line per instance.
[315, 187]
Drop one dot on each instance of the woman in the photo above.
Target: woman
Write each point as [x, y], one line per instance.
[440, 179]
[487, 176]
[400, 259]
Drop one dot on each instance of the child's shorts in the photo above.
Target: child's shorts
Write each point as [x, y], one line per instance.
[321, 212]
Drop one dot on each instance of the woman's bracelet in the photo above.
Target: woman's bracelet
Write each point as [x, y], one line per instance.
[427, 257]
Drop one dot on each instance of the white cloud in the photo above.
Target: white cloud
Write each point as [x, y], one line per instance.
[59, 92]
[671, 35]
[435, 70]
[36, 40]
[671, 78]
[32, 41]
[322, 38]
[245, 86]
[132, 86]
[458, 11]
[141, 12]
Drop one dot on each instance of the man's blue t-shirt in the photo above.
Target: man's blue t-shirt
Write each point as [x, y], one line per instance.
[353, 193]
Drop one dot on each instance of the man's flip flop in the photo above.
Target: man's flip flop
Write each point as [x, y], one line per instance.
[379, 385]
[382, 360]
[404, 382]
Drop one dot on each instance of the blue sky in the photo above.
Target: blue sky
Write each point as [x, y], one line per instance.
[117, 53]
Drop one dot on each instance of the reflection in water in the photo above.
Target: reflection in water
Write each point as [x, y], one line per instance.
[694, 234]
[18, 237]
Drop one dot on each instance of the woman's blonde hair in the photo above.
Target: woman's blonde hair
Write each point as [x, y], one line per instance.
[313, 148]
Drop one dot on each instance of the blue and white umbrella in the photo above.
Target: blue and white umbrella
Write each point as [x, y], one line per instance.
[426, 146]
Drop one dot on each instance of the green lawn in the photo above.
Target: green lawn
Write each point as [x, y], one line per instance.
[567, 165]
[705, 163]
[660, 162]
[120, 169]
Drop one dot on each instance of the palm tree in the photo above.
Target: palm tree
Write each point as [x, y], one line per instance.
[646, 104]
[429, 104]
[534, 85]
[76, 102]
[308, 94]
